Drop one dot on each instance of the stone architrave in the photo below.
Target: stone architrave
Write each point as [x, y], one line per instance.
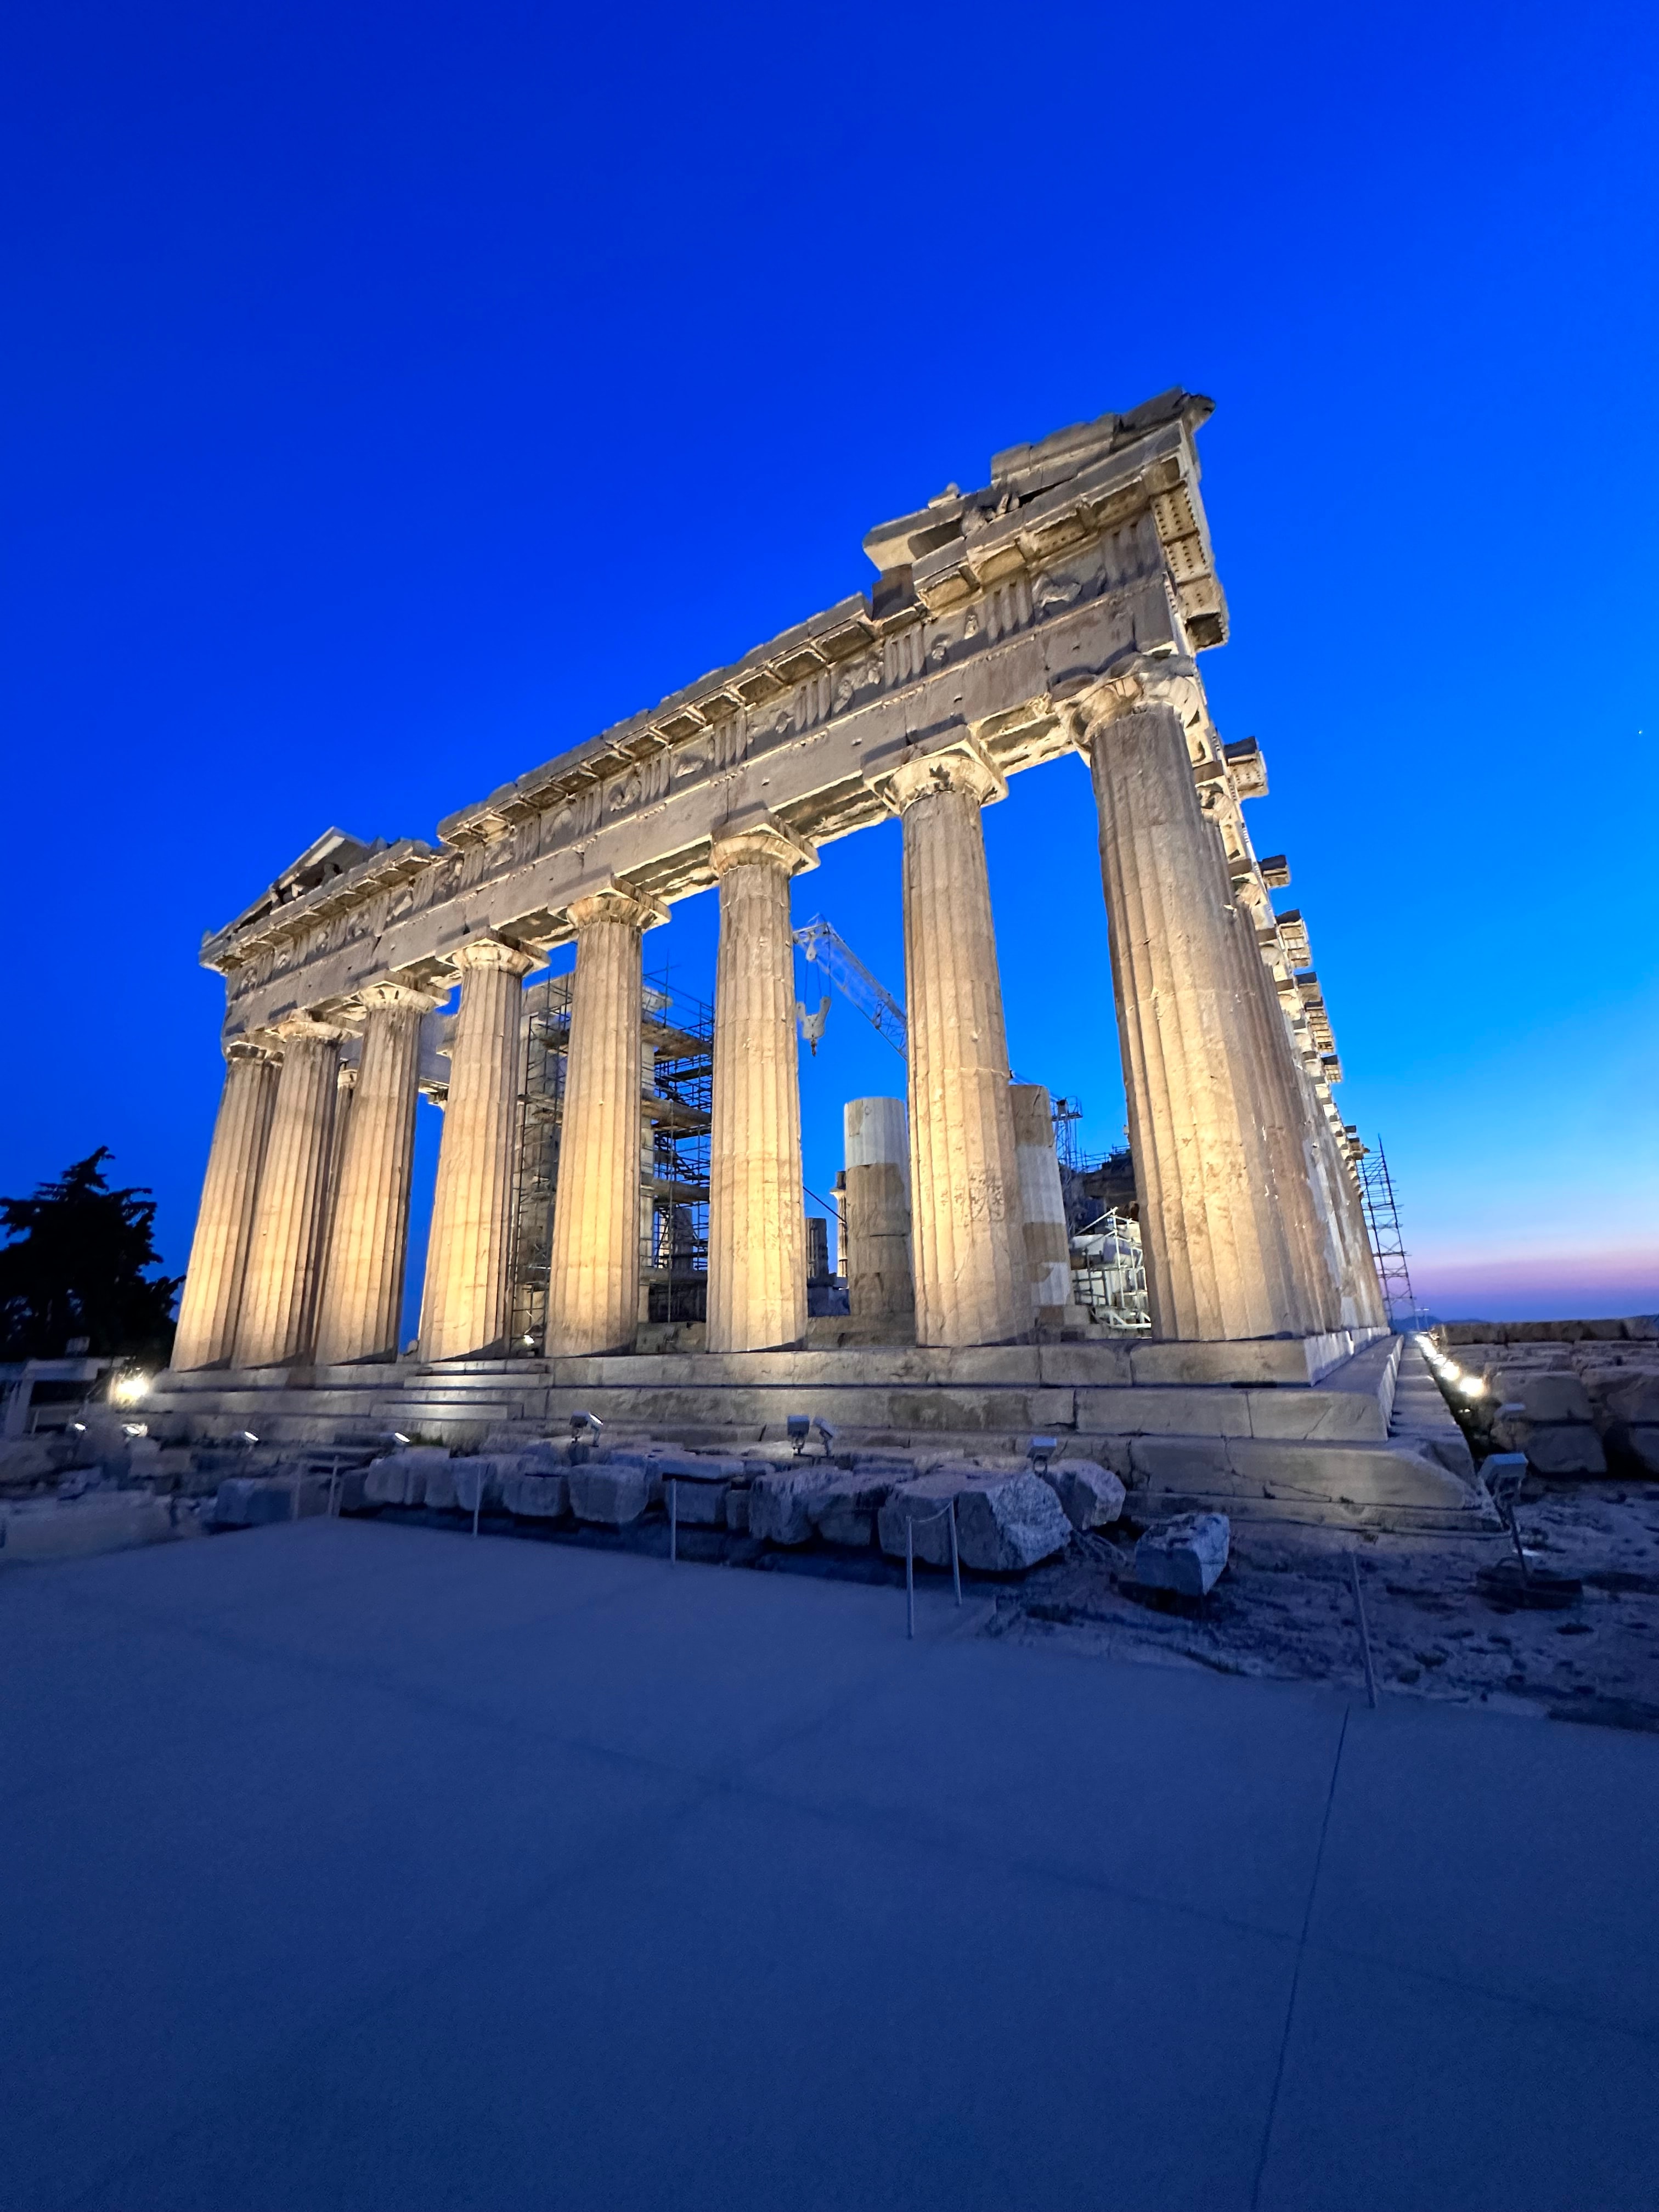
[756, 1228]
[285, 1252]
[879, 1284]
[211, 1304]
[1227, 1231]
[593, 1278]
[368, 1240]
[967, 1240]
[464, 1305]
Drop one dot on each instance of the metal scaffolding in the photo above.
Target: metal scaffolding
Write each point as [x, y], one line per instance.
[1388, 1247]
[677, 1037]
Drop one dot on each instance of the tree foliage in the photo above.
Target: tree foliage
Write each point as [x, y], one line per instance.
[77, 1265]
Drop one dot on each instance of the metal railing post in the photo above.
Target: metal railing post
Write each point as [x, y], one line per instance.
[910, 1579]
[956, 1556]
[674, 1520]
[478, 1502]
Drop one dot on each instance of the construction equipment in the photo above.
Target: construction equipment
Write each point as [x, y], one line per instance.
[1388, 1247]
[825, 949]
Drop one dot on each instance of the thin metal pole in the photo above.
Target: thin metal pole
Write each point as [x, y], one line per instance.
[1364, 1634]
[478, 1502]
[674, 1520]
[910, 1579]
[956, 1561]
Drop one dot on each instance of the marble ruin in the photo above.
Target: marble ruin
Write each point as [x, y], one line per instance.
[1061, 609]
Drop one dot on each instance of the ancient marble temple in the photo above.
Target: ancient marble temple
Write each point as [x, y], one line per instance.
[1062, 607]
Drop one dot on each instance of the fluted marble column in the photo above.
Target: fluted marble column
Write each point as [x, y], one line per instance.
[368, 1238]
[1224, 1219]
[967, 1241]
[1042, 1204]
[876, 1224]
[593, 1278]
[756, 1230]
[211, 1304]
[279, 1299]
[464, 1305]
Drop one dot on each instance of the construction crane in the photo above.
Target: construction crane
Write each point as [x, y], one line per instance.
[825, 948]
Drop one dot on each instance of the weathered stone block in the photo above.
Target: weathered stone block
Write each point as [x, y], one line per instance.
[1638, 1443]
[1554, 1395]
[612, 1493]
[1561, 1448]
[252, 1502]
[1005, 1521]
[478, 1482]
[1186, 1555]
[1635, 1400]
[697, 1503]
[441, 1487]
[844, 1513]
[399, 1478]
[539, 1497]
[1089, 1495]
[922, 1505]
[737, 1511]
[107, 1520]
[780, 1502]
[1004, 1527]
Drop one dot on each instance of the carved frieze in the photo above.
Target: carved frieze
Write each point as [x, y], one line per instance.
[1000, 608]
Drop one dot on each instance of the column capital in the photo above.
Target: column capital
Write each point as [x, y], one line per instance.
[494, 952]
[614, 902]
[301, 1029]
[958, 763]
[1133, 681]
[251, 1048]
[400, 995]
[758, 835]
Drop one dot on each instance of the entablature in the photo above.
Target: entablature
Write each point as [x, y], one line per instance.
[1066, 563]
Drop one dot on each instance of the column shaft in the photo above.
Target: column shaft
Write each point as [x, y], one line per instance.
[1042, 1202]
[1223, 1210]
[368, 1243]
[278, 1301]
[756, 1227]
[880, 1286]
[211, 1305]
[465, 1302]
[968, 1246]
[594, 1277]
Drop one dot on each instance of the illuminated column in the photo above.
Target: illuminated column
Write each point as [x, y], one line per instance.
[967, 1247]
[877, 1258]
[464, 1306]
[368, 1240]
[756, 1229]
[1042, 1207]
[211, 1306]
[285, 1252]
[1221, 1218]
[593, 1278]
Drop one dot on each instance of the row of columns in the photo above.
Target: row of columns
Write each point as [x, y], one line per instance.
[1239, 1241]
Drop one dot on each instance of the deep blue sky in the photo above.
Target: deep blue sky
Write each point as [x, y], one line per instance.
[394, 395]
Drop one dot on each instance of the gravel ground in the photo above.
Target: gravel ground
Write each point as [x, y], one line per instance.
[1285, 1606]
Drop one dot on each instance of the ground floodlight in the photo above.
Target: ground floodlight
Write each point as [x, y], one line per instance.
[799, 1426]
[582, 1424]
[1041, 1450]
[826, 1433]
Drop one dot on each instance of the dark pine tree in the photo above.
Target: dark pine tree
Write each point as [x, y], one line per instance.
[75, 1265]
